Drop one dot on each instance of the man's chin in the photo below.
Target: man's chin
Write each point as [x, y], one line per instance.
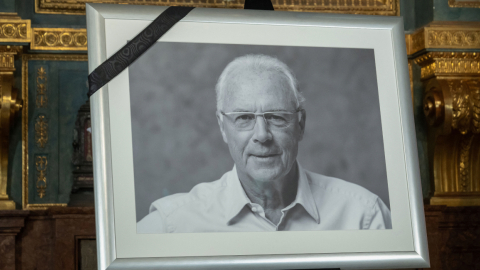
[264, 174]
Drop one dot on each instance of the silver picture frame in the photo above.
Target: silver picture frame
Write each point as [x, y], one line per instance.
[110, 242]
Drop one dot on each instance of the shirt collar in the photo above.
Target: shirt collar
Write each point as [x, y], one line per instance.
[236, 198]
[305, 196]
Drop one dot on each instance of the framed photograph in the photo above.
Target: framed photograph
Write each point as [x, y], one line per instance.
[247, 139]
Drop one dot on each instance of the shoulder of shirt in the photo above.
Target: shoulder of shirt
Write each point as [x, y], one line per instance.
[201, 193]
[348, 190]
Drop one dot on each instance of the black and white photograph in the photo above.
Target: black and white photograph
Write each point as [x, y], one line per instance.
[257, 138]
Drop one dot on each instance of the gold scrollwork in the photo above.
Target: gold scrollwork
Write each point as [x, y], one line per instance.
[370, 7]
[41, 165]
[59, 39]
[465, 105]
[15, 30]
[452, 108]
[41, 131]
[453, 104]
[41, 99]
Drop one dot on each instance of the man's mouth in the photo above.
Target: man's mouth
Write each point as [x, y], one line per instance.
[264, 155]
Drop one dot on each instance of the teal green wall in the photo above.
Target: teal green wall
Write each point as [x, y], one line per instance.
[443, 12]
[66, 91]
[416, 13]
[7, 6]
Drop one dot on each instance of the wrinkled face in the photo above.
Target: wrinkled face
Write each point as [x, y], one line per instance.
[266, 152]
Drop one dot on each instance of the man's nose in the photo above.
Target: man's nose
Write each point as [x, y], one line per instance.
[261, 133]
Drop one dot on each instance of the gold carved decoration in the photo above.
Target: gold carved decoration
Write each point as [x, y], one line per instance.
[41, 99]
[447, 64]
[464, 3]
[25, 58]
[444, 35]
[370, 7]
[41, 134]
[14, 29]
[452, 109]
[9, 106]
[41, 165]
[62, 39]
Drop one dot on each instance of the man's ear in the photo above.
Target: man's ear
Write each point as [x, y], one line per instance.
[303, 119]
[220, 124]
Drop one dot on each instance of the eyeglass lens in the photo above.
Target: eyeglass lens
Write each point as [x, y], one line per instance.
[246, 121]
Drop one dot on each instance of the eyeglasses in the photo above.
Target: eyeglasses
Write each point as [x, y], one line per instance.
[247, 120]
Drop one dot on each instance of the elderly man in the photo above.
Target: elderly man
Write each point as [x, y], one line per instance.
[260, 114]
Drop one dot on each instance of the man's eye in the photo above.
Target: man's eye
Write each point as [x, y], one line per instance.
[275, 117]
[244, 117]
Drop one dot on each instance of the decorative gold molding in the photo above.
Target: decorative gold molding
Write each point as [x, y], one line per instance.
[456, 170]
[6, 61]
[25, 58]
[9, 106]
[444, 35]
[464, 4]
[41, 134]
[448, 64]
[369, 7]
[41, 163]
[59, 39]
[452, 109]
[410, 73]
[15, 30]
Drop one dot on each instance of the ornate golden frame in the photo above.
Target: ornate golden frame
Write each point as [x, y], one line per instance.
[464, 4]
[369, 7]
[25, 58]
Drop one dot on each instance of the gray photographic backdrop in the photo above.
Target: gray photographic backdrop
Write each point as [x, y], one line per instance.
[176, 139]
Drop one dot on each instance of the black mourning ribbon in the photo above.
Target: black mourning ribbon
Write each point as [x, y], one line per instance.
[135, 48]
[144, 40]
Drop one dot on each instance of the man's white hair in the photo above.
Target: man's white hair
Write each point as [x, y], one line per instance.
[256, 62]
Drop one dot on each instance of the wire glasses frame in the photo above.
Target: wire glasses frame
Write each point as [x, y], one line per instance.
[247, 120]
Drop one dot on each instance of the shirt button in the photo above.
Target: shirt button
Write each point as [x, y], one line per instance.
[254, 209]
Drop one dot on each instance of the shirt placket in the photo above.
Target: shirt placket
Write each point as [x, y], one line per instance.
[259, 211]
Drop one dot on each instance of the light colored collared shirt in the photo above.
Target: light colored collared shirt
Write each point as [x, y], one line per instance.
[322, 203]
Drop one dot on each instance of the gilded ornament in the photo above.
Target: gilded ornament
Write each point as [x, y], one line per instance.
[14, 30]
[444, 35]
[370, 7]
[59, 39]
[6, 61]
[452, 109]
[465, 144]
[464, 4]
[41, 165]
[41, 131]
[9, 106]
[451, 63]
[9, 30]
[41, 100]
